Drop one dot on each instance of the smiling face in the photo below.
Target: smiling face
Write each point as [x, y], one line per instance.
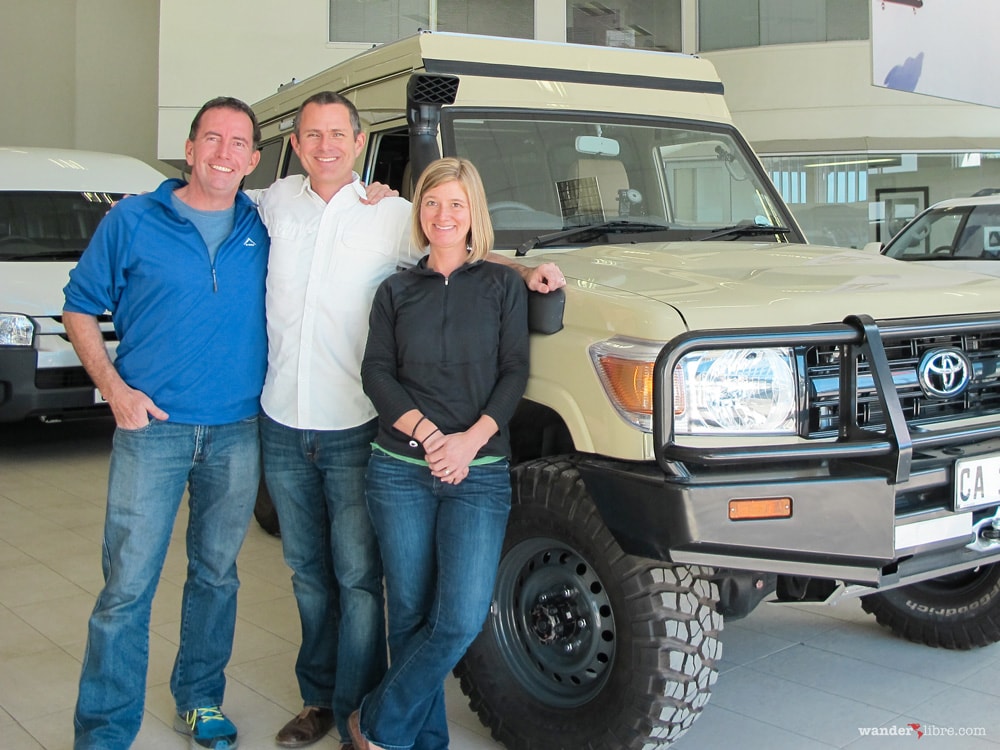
[221, 154]
[327, 147]
[445, 216]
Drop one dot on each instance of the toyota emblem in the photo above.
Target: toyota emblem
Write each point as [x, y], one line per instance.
[944, 373]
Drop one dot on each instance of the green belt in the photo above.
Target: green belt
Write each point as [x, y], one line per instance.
[420, 462]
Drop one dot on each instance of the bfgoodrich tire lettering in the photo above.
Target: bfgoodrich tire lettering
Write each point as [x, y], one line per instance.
[587, 647]
[958, 611]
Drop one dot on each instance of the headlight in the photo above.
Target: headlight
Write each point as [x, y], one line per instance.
[735, 392]
[625, 367]
[16, 330]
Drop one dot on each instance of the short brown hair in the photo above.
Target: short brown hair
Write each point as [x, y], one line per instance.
[329, 97]
[226, 102]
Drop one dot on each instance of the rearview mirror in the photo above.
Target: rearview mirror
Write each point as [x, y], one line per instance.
[595, 145]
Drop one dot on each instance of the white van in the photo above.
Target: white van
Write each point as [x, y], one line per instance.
[51, 201]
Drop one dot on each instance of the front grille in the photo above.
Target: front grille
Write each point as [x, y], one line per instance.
[62, 377]
[981, 397]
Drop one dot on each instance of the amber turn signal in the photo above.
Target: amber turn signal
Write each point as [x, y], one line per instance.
[760, 508]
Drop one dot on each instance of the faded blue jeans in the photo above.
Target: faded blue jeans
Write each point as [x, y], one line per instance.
[440, 546]
[317, 483]
[150, 469]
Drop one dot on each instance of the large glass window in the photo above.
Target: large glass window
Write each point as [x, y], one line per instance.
[639, 24]
[729, 24]
[380, 21]
[513, 18]
[849, 200]
[376, 21]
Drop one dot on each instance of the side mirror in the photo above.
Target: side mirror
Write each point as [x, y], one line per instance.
[545, 311]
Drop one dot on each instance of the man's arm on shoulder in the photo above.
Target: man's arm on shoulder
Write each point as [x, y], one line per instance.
[376, 191]
[543, 278]
[129, 406]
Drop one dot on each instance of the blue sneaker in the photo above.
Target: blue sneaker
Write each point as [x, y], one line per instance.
[208, 727]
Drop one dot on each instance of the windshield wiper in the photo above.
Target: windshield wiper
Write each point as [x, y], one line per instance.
[744, 229]
[602, 227]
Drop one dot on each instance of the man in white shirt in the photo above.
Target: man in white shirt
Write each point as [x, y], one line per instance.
[329, 253]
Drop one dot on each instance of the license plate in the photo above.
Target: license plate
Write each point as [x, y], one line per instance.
[977, 482]
[98, 398]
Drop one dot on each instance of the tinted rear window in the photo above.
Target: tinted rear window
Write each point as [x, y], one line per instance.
[49, 225]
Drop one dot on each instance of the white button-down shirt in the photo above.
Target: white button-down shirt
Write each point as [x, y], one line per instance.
[327, 260]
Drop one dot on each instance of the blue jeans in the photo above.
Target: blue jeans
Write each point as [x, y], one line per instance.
[440, 546]
[317, 483]
[150, 468]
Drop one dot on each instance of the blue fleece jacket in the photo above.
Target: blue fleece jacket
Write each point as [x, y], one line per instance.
[192, 334]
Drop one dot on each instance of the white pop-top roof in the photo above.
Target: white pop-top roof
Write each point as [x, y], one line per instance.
[30, 168]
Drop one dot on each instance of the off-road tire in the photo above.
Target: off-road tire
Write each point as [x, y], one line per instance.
[960, 611]
[623, 658]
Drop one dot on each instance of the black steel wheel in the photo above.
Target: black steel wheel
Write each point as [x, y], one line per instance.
[585, 646]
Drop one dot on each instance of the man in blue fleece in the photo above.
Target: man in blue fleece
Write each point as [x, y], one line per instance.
[182, 271]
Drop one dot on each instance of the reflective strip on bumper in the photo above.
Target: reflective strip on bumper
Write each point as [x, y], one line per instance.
[941, 529]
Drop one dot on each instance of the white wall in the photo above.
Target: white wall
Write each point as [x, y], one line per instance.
[241, 48]
[38, 60]
[79, 75]
[246, 48]
[128, 76]
[816, 97]
[116, 42]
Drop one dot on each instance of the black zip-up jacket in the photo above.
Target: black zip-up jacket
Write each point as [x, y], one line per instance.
[455, 348]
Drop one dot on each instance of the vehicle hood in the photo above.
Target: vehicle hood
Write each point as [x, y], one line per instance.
[989, 267]
[739, 284]
[33, 288]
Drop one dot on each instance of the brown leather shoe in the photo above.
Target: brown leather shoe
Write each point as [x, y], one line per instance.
[354, 729]
[308, 727]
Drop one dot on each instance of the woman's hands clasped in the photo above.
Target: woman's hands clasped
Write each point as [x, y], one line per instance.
[449, 456]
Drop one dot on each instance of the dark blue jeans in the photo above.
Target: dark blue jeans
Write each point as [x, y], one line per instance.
[317, 482]
[150, 469]
[440, 546]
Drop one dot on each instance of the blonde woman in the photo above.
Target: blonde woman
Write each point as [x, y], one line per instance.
[445, 365]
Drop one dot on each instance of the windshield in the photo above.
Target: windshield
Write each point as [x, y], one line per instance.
[663, 179]
[39, 225]
[950, 233]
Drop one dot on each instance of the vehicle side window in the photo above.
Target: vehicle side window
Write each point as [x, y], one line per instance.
[292, 163]
[267, 170]
[942, 237]
[389, 159]
[981, 236]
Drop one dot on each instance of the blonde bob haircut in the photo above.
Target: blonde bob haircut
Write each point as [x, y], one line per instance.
[451, 169]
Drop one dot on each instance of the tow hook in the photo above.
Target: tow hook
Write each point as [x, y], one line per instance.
[991, 532]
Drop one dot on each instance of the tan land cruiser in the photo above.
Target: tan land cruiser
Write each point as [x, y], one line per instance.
[722, 415]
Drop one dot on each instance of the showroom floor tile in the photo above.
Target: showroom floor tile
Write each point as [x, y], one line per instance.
[792, 677]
